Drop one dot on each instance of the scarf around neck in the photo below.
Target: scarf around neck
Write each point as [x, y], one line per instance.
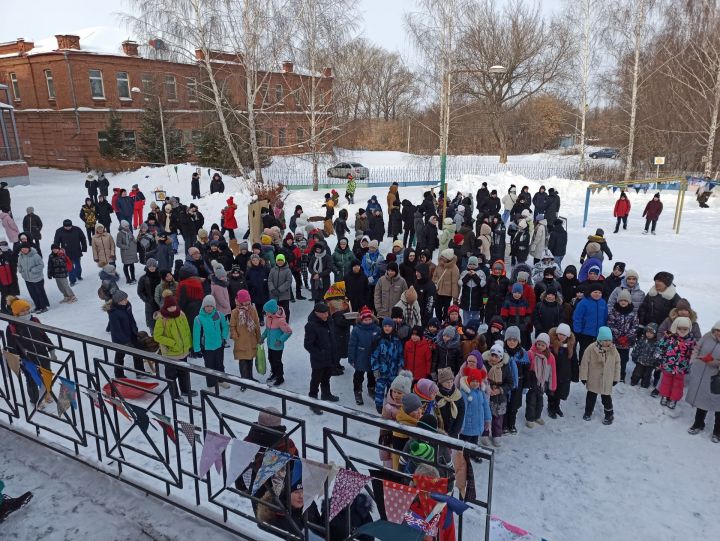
[450, 399]
[244, 318]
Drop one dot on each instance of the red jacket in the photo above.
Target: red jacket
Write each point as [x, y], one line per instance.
[418, 358]
[528, 295]
[653, 210]
[622, 208]
[115, 196]
[138, 199]
[228, 214]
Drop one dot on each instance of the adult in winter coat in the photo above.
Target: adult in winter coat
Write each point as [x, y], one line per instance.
[472, 290]
[195, 185]
[5, 203]
[590, 314]
[562, 346]
[138, 199]
[340, 225]
[407, 267]
[146, 290]
[497, 287]
[357, 287]
[552, 206]
[376, 226]
[103, 185]
[408, 220]
[257, 276]
[245, 332]
[103, 213]
[361, 221]
[103, 246]
[557, 242]
[508, 202]
[216, 184]
[394, 221]
[280, 284]
[481, 197]
[497, 239]
[539, 241]
[128, 251]
[321, 344]
[520, 243]
[539, 201]
[32, 225]
[89, 218]
[30, 266]
[125, 207]
[123, 331]
[446, 235]
[72, 240]
[172, 332]
[8, 275]
[446, 278]
[600, 371]
[705, 365]
[427, 239]
[621, 211]
[426, 291]
[652, 212]
[10, 227]
[342, 259]
[229, 222]
[389, 290]
[319, 267]
[360, 347]
[393, 196]
[599, 239]
[91, 185]
[485, 241]
[660, 299]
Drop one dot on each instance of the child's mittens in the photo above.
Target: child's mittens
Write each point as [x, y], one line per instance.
[707, 358]
[623, 341]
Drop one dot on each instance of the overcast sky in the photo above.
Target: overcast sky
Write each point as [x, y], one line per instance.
[37, 19]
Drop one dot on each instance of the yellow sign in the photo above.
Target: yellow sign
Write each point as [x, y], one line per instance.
[659, 160]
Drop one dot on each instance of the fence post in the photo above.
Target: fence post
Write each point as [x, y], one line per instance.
[587, 206]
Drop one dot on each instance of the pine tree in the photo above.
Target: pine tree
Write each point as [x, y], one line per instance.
[212, 149]
[113, 148]
[150, 147]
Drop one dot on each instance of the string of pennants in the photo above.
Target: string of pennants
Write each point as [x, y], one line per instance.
[346, 484]
[645, 186]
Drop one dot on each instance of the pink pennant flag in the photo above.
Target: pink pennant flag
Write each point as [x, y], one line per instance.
[398, 498]
[348, 484]
[215, 445]
[242, 453]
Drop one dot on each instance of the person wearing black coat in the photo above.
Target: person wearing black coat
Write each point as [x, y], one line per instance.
[195, 185]
[32, 344]
[539, 201]
[548, 311]
[408, 221]
[569, 283]
[32, 225]
[496, 290]
[188, 224]
[552, 206]
[524, 199]
[216, 184]
[660, 299]
[492, 206]
[320, 342]
[376, 226]
[103, 212]
[357, 287]
[407, 267]
[483, 194]
[427, 207]
[72, 239]
[557, 243]
[103, 186]
[146, 291]
[426, 292]
[319, 267]
[91, 184]
[497, 240]
[123, 330]
[5, 199]
[614, 279]
[427, 239]
[395, 222]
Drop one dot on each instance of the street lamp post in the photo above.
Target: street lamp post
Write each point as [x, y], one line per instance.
[136, 90]
[445, 121]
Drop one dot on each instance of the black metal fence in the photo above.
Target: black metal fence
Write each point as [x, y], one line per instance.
[111, 438]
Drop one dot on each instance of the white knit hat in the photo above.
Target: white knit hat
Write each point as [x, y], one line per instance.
[564, 329]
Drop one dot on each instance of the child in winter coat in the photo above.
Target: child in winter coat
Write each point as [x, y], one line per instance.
[501, 380]
[674, 351]
[409, 414]
[520, 360]
[449, 403]
[386, 360]
[340, 224]
[401, 386]
[364, 334]
[219, 290]
[431, 331]
[472, 290]
[542, 375]
[548, 311]
[562, 345]
[600, 371]
[59, 266]
[515, 311]
[478, 416]
[447, 352]
[210, 330]
[643, 355]
[277, 331]
[410, 307]
[623, 321]
[418, 354]
[471, 339]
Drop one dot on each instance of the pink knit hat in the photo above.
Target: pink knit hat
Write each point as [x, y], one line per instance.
[426, 389]
[243, 296]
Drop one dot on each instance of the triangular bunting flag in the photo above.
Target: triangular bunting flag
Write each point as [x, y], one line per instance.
[215, 445]
[118, 405]
[140, 415]
[415, 521]
[188, 429]
[47, 377]
[13, 361]
[314, 475]
[453, 504]
[166, 424]
[348, 484]
[272, 462]
[67, 397]
[387, 531]
[94, 396]
[242, 454]
[398, 498]
[32, 370]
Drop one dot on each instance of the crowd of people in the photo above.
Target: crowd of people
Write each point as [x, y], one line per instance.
[469, 311]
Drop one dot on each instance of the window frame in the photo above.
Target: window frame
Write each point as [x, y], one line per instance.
[147, 85]
[102, 83]
[166, 81]
[300, 135]
[279, 93]
[282, 137]
[269, 139]
[127, 82]
[191, 86]
[50, 84]
[15, 85]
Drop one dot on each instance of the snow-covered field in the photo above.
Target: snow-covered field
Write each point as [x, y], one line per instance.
[643, 477]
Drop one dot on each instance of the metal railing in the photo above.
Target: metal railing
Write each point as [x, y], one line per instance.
[99, 435]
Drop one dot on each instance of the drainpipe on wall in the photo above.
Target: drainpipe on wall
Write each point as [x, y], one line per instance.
[72, 93]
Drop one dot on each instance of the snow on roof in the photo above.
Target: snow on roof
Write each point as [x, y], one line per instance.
[94, 39]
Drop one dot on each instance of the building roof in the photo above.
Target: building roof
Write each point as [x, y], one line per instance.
[95, 39]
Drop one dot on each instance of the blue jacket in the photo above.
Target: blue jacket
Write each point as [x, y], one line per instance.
[477, 411]
[387, 357]
[361, 345]
[212, 327]
[125, 206]
[164, 255]
[589, 316]
[371, 266]
[123, 328]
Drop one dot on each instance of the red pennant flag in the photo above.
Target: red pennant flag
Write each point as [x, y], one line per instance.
[166, 424]
[348, 484]
[398, 498]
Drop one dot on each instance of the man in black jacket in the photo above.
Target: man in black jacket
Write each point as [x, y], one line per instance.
[321, 343]
[146, 291]
[483, 194]
[72, 239]
[426, 292]
[32, 225]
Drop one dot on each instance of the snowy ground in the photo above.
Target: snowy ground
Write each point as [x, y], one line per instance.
[567, 480]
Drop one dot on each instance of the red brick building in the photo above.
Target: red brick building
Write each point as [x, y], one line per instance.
[63, 98]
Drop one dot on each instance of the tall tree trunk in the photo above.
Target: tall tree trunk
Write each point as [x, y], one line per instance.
[713, 125]
[254, 150]
[585, 82]
[498, 129]
[638, 32]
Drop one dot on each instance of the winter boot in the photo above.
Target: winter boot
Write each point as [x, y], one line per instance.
[271, 378]
[358, 398]
[587, 416]
[609, 417]
[496, 442]
[653, 232]
[485, 441]
[512, 430]
[315, 409]
[540, 421]
[559, 412]
[645, 232]
[672, 404]
[279, 381]
[552, 414]
[664, 401]
[695, 429]
[330, 398]
[715, 438]
[10, 505]
[371, 392]
[529, 424]
[655, 393]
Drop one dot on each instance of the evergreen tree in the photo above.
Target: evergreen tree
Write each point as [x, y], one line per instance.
[150, 138]
[113, 148]
[212, 151]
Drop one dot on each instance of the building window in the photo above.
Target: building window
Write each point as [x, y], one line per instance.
[300, 134]
[15, 87]
[50, 84]
[278, 93]
[129, 142]
[97, 91]
[147, 86]
[268, 139]
[170, 87]
[192, 89]
[123, 85]
[281, 137]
